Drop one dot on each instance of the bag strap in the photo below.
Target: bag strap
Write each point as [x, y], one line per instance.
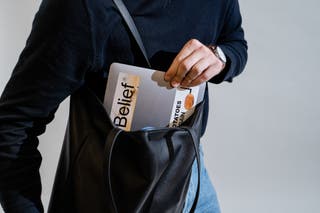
[196, 142]
[132, 27]
[111, 139]
[108, 151]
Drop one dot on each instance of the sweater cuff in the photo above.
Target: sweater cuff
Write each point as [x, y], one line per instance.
[227, 73]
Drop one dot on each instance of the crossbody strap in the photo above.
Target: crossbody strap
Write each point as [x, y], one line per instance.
[132, 27]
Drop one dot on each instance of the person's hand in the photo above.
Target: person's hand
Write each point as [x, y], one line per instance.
[194, 64]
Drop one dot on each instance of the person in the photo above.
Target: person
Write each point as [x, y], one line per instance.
[73, 43]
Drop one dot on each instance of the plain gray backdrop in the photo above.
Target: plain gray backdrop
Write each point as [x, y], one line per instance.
[263, 138]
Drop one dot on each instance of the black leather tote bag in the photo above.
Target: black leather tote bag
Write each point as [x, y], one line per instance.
[103, 169]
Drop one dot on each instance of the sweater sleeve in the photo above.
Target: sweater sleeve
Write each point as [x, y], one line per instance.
[52, 65]
[233, 44]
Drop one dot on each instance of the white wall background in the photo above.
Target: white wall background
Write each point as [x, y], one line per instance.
[263, 135]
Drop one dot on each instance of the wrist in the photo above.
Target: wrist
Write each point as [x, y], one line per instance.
[217, 51]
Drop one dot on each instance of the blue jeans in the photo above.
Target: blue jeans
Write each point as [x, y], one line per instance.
[208, 202]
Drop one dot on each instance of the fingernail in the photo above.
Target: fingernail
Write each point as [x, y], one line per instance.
[175, 84]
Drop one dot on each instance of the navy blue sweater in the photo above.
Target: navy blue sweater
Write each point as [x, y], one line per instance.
[72, 43]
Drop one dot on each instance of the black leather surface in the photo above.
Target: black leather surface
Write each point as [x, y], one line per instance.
[150, 171]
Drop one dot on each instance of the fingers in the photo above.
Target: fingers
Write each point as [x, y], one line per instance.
[187, 65]
[187, 49]
[203, 77]
[193, 65]
[196, 71]
[206, 75]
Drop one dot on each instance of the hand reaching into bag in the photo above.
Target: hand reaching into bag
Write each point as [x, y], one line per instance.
[194, 64]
